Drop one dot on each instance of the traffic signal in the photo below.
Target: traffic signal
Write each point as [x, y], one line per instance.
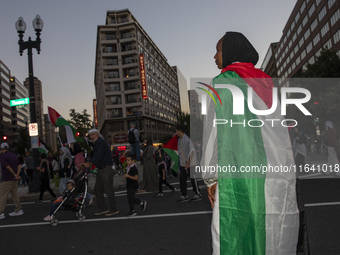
[77, 134]
[140, 124]
[4, 138]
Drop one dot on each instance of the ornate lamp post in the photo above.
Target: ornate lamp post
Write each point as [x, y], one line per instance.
[20, 26]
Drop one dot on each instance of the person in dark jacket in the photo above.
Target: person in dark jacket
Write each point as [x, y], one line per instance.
[44, 178]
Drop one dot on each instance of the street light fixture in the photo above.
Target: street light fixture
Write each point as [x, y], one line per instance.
[20, 26]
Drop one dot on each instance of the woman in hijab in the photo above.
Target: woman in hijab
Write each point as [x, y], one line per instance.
[251, 215]
[331, 141]
[65, 167]
[150, 175]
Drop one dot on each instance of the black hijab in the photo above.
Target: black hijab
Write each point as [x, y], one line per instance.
[237, 48]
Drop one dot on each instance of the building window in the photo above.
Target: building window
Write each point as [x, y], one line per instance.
[303, 54]
[294, 37]
[301, 42]
[318, 53]
[293, 65]
[322, 13]
[115, 100]
[328, 44]
[292, 26]
[298, 60]
[318, 2]
[303, 7]
[311, 10]
[290, 44]
[297, 17]
[314, 24]
[330, 3]
[288, 33]
[114, 87]
[336, 36]
[299, 29]
[335, 17]
[112, 61]
[307, 33]
[113, 74]
[311, 61]
[304, 21]
[309, 47]
[285, 39]
[324, 30]
[316, 39]
[124, 19]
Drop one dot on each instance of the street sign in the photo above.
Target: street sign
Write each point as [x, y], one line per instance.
[20, 101]
[33, 129]
[34, 142]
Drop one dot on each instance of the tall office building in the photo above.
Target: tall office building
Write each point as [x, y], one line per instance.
[50, 135]
[195, 105]
[269, 63]
[39, 107]
[312, 26]
[20, 114]
[6, 125]
[183, 91]
[134, 82]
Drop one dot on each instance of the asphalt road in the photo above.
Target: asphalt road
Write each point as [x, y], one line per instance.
[166, 227]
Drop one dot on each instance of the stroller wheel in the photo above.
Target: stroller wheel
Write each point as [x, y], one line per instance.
[54, 222]
[81, 217]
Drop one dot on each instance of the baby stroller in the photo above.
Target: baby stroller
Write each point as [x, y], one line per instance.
[73, 201]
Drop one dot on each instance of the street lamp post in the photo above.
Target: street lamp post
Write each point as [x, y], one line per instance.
[20, 26]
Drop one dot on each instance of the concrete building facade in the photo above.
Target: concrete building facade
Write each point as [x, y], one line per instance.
[183, 91]
[128, 65]
[20, 114]
[312, 26]
[6, 124]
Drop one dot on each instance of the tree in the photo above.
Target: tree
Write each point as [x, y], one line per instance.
[80, 121]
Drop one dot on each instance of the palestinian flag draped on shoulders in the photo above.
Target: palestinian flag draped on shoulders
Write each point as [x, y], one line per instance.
[66, 131]
[171, 149]
[253, 214]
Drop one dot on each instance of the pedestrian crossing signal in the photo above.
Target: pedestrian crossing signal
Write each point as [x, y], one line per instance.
[4, 138]
[77, 134]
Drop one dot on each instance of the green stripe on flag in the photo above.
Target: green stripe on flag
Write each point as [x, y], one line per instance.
[241, 200]
[174, 156]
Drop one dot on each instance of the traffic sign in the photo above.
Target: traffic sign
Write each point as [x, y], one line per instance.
[20, 101]
[33, 129]
[34, 142]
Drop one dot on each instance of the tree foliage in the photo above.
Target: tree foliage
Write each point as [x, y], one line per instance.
[80, 121]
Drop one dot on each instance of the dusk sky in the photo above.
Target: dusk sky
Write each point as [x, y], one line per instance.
[185, 31]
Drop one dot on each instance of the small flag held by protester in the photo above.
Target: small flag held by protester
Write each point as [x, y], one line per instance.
[171, 149]
[58, 121]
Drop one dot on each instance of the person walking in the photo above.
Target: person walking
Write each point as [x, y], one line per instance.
[162, 177]
[30, 166]
[131, 177]
[133, 137]
[104, 177]
[65, 168]
[23, 173]
[10, 168]
[150, 179]
[187, 156]
[44, 178]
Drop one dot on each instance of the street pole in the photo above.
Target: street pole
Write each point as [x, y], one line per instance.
[20, 25]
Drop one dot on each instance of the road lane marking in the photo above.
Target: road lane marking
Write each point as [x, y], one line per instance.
[110, 219]
[322, 204]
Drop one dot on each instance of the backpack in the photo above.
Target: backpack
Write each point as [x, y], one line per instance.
[131, 137]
